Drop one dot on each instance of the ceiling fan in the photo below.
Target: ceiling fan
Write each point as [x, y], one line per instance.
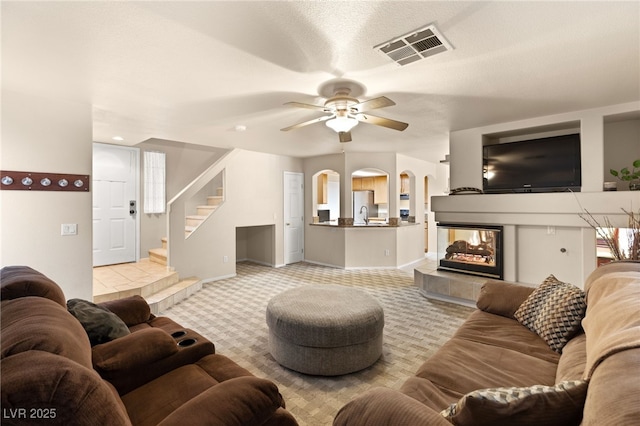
[344, 112]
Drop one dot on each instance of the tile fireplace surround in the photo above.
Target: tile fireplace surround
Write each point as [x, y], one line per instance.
[542, 234]
[448, 286]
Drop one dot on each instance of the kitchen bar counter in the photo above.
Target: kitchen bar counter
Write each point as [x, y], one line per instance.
[362, 225]
[348, 246]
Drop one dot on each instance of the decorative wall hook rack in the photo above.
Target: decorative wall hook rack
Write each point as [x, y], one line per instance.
[34, 181]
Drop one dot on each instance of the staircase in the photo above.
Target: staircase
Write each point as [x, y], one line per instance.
[163, 296]
[202, 212]
[192, 222]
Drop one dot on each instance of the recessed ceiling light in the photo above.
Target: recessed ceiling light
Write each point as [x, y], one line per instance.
[117, 138]
[240, 128]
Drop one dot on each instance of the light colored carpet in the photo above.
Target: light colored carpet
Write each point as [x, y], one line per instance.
[231, 313]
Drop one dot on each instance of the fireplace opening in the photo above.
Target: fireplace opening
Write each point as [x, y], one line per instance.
[470, 249]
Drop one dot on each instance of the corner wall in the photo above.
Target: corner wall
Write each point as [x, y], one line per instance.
[45, 135]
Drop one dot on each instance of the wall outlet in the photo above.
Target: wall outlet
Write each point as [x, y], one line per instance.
[387, 252]
[69, 229]
[225, 259]
[551, 230]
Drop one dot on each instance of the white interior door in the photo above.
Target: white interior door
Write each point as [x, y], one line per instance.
[115, 179]
[293, 217]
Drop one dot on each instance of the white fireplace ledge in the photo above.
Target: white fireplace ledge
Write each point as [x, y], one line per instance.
[546, 209]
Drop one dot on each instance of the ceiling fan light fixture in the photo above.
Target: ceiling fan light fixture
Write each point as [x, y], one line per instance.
[342, 124]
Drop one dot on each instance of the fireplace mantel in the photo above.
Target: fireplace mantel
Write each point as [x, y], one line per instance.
[545, 209]
[543, 232]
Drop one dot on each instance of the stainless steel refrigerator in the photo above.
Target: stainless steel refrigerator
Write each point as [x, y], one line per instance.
[363, 199]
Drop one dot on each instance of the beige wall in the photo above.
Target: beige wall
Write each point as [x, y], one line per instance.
[254, 198]
[44, 135]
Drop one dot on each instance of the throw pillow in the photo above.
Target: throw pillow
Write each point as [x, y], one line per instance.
[560, 405]
[100, 324]
[554, 311]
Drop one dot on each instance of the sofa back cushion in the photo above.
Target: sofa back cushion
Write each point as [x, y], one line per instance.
[35, 323]
[613, 391]
[132, 310]
[56, 390]
[573, 359]
[612, 328]
[501, 298]
[22, 281]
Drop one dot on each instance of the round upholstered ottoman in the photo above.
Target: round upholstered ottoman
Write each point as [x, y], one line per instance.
[325, 330]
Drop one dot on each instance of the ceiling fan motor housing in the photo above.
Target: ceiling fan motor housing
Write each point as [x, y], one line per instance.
[340, 102]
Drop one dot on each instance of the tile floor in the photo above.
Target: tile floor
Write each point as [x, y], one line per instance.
[127, 278]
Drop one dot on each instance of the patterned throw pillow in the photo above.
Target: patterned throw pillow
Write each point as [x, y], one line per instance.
[554, 311]
[561, 404]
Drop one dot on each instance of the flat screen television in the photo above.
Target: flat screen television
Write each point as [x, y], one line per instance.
[549, 164]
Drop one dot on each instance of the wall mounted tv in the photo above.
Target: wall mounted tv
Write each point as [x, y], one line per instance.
[549, 164]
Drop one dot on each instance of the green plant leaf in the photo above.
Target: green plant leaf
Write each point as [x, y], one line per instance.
[636, 163]
[613, 172]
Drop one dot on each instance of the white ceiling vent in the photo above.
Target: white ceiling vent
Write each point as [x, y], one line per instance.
[416, 45]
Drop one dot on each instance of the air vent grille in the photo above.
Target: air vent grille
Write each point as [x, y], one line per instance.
[414, 46]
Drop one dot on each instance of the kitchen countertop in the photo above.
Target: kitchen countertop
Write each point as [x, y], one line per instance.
[334, 224]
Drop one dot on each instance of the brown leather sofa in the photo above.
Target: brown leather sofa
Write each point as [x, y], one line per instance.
[493, 349]
[158, 374]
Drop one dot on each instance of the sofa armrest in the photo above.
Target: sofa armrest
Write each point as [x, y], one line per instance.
[501, 298]
[132, 310]
[382, 406]
[135, 350]
[244, 400]
[131, 361]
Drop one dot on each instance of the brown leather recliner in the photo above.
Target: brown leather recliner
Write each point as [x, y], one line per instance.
[50, 372]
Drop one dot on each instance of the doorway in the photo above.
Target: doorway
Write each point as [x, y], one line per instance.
[293, 217]
[115, 204]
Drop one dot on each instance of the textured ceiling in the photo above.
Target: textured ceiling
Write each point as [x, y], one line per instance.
[192, 71]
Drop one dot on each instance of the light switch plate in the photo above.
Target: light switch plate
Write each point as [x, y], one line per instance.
[69, 229]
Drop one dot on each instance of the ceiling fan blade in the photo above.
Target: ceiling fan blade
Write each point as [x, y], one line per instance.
[344, 136]
[308, 106]
[374, 103]
[306, 123]
[381, 121]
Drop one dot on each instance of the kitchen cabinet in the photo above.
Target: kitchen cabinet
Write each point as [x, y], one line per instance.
[321, 190]
[381, 190]
[363, 184]
[356, 184]
[405, 183]
[368, 184]
[377, 184]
